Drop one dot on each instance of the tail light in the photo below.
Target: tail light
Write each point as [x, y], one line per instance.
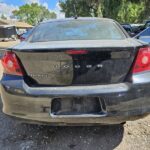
[142, 62]
[76, 52]
[11, 64]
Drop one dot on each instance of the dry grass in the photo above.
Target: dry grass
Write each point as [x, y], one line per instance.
[8, 44]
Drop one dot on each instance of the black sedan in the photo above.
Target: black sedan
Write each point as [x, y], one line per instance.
[128, 29]
[77, 71]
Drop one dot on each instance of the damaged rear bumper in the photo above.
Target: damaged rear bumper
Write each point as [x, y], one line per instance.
[34, 104]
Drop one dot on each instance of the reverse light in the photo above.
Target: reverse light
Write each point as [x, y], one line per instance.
[76, 52]
[11, 64]
[142, 62]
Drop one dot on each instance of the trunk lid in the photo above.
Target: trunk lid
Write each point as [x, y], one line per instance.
[52, 66]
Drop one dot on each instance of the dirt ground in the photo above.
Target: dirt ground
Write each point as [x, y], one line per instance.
[131, 136]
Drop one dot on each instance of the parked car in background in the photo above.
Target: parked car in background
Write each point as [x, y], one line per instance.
[24, 36]
[7, 32]
[77, 71]
[129, 29]
[144, 35]
[147, 24]
[137, 28]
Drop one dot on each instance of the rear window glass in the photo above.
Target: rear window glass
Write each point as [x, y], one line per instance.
[77, 30]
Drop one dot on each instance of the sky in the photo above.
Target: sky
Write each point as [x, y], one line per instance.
[7, 6]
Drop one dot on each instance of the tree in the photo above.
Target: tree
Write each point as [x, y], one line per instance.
[33, 13]
[83, 7]
[124, 10]
[146, 13]
[132, 11]
[3, 17]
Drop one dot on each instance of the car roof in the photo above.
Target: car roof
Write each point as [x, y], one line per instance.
[125, 24]
[79, 18]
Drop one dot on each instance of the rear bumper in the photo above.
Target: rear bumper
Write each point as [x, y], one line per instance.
[123, 102]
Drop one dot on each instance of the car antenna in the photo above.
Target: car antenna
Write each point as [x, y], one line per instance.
[75, 10]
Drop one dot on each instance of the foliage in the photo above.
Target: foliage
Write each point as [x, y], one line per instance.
[131, 11]
[33, 13]
[146, 13]
[83, 7]
[3, 17]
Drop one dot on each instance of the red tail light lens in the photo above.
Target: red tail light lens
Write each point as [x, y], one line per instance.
[11, 65]
[76, 52]
[142, 62]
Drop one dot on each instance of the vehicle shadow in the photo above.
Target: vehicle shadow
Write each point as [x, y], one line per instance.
[88, 138]
[63, 138]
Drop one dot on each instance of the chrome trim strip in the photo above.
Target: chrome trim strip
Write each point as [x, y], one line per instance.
[79, 116]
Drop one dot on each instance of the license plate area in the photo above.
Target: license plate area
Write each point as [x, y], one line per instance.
[78, 107]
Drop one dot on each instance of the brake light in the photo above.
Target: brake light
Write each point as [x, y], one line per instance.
[11, 65]
[142, 62]
[76, 52]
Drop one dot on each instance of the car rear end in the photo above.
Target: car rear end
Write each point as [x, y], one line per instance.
[97, 79]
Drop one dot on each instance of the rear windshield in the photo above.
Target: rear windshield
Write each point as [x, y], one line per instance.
[77, 30]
